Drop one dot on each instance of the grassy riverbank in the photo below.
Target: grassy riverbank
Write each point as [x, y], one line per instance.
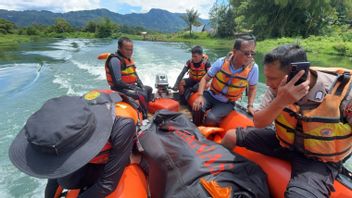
[16, 39]
[339, 45]
[332, 45]
[13, 39]
[324, 51]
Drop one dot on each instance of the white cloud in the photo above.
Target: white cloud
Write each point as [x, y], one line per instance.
[52, 5]
[203, 6]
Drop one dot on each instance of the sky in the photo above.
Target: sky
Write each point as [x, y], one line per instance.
[119, 6]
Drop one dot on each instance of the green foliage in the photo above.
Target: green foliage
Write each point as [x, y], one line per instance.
[105, 28]
[12, 40]
[280, 18]
[222, 18]
[6, 27]
[344, 11]
[191, 18]
[189, 36]
[331, 45]
[61, 26]
[91, 26]
[132, 29]
[340, 47]
[34, 29]
[343, 48]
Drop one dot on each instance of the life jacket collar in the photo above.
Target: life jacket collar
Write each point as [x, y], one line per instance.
[121, 55]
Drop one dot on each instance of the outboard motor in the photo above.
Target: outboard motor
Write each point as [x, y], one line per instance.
[163, 98]
[162, 86]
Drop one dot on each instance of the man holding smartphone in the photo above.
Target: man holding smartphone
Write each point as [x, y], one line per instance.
[312, 122]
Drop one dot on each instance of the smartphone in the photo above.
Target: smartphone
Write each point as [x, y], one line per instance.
[295, 68]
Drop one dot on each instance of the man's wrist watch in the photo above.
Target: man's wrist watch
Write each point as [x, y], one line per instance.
[249, 105]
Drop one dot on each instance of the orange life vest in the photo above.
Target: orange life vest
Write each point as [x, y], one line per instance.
[318, 132]
[235, 83]
[128, 70]
[122, 109]
[197, 73]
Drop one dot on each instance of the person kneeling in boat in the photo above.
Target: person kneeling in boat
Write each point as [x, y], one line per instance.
[312, 119]
[122, 76]
[197, 67]
[230, 77]
[77, 143]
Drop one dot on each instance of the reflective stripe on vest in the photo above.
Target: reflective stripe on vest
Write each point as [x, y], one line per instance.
[197, 73]
[235, 83]
[128, 70]
[318, 132]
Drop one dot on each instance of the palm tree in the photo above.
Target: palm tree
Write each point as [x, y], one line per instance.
[191, 18]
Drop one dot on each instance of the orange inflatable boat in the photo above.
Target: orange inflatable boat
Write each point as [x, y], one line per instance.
[133, 183]
[278, 171]
[163, 103]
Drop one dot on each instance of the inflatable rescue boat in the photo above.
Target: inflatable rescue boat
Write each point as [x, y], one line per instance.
[133, 182]
[278, 171]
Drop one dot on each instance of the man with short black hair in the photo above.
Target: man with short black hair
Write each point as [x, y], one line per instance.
[197, 66]
[312, 122]
[122, 76]
[230, 76]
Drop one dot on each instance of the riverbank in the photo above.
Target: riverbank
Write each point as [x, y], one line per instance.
[329, 45]
[13, 39]
[16, 39]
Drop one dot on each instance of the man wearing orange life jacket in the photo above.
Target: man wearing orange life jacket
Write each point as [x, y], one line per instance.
[122, 76]
[230, 77]
[197, 68]
[77, 143]
[312, 123]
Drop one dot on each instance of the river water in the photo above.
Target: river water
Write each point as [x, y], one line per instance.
[34, 72]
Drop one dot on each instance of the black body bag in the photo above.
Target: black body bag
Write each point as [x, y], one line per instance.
[183, 163]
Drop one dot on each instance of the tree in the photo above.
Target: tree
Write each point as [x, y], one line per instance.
[222, 18]
[31, 30]
[91, 26]
[61, 26]
[344, 11]
[132, 29]
[286, 17]
[7, 27]
[105, 28]
[191, 18]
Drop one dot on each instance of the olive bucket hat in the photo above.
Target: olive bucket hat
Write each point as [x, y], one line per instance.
[61, 137]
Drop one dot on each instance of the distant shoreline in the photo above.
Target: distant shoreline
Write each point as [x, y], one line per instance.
[315, 44]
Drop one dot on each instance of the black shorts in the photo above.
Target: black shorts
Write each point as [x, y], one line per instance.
[189, 82]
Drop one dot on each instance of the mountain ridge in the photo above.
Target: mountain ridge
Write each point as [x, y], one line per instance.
[156, 19]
